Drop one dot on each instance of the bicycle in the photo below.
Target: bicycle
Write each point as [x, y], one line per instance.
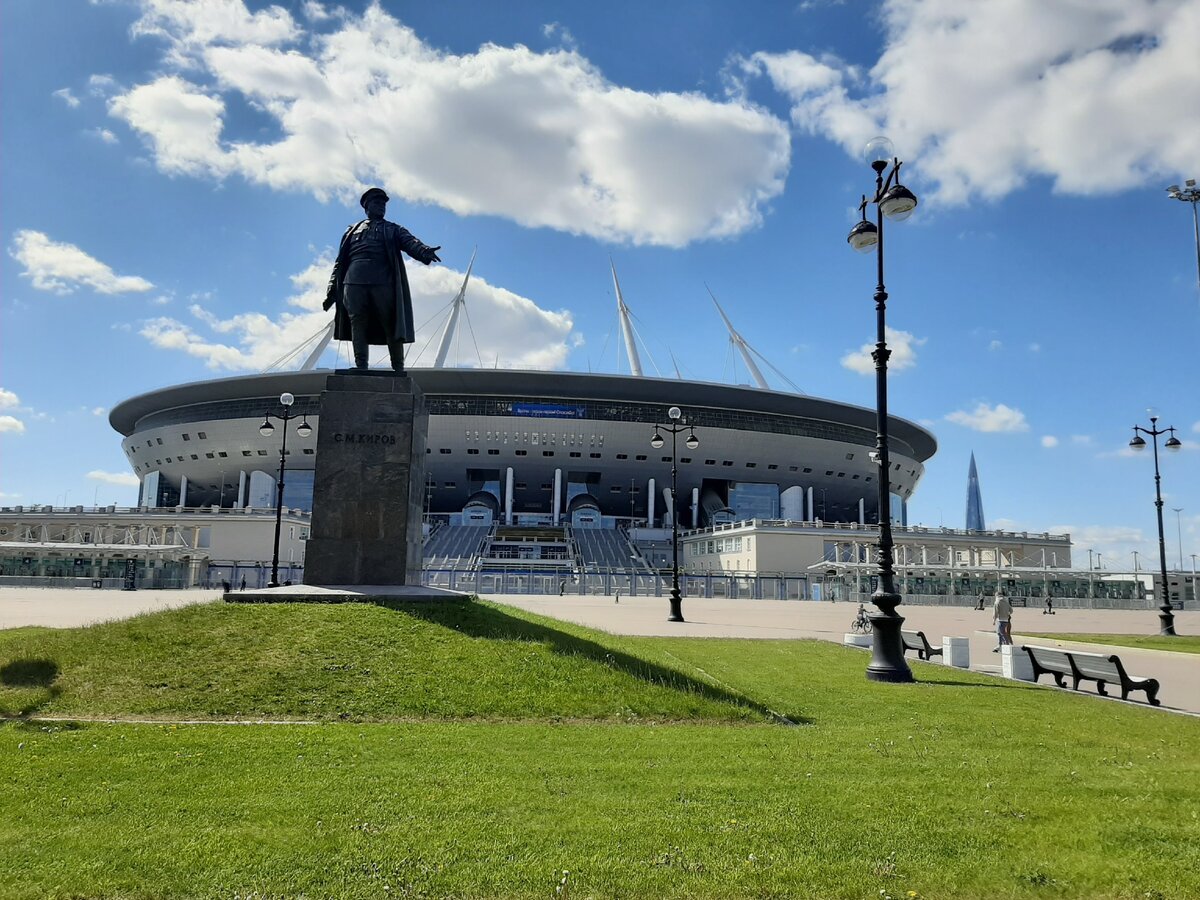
[861, 623]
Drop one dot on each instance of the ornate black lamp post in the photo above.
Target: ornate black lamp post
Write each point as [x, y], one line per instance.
[266, 429]
[896, 202]
[692, 442]
[1166, 617]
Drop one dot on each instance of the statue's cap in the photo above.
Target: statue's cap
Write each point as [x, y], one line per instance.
[369, 193]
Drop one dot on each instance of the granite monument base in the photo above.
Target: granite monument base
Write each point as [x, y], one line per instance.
[369, 483]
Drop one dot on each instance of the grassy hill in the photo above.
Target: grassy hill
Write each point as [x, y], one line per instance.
[470, 750]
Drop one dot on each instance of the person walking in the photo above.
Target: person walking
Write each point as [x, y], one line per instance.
[562, 587]
[1002, 616]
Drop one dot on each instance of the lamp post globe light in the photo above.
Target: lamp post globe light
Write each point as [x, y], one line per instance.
[896, 202]
[677, 426]
[1189, 193]
[1166, 617]
[266, 429]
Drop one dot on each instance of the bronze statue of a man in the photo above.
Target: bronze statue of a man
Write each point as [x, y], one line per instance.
[369, 285]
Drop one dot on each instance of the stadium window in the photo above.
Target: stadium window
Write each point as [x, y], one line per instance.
[727, 462]
[594, 455]
[472, 451]
[868, 478]
[829, 472]
[149, 443]
[262, 452]
[547, 453]
[772, 466]
[575, 454]
[492, 451]
[685, 459]
[210, 456]
[245, 453]
[641, 457]
[308, 451]
[521, 485]
[222, 454]
[179, 459]
[807, 470]
[751, 465]
[547, 487]
[158, 462]
[159, 441]
[186, 436]
[615, 489]
[445, 451]
[841, 474]
[622, 456]
[855, 477]
[202, 435]
[666, 459]
[448, 484]
[849, 456]
[710, 462]
[522, 453]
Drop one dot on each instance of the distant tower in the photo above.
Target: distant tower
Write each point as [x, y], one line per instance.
[974, 501]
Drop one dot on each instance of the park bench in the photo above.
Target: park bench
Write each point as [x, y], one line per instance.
[1095, 667]
[915, 640]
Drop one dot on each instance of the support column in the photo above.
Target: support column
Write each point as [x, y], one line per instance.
[183, 486]
[650, 504]
[862, 511]
[812, 515]
[241, 494]
[556, 507]
[508, 496]
[695, 507]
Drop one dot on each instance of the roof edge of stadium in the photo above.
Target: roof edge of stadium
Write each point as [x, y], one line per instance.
[541, 384]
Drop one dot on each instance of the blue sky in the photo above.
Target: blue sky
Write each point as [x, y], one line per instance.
[175, 175]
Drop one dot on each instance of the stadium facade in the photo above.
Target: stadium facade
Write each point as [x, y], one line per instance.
[540, 448]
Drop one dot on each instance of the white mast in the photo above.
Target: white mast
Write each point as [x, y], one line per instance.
[635, 364]
[452, 321]
[311, 362]
[740, 343]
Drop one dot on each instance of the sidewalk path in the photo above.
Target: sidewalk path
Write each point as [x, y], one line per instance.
[70, 608]
[1178, 673]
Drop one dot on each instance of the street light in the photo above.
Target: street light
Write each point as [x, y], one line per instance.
[266, 429]
[674, 429]
[896, 202]
[1179, 532]
[1189, 194]
[1166, 617]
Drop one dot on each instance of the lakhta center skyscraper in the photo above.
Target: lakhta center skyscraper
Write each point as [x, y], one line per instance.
[974, 500]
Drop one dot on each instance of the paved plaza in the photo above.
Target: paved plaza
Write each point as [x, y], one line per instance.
[1178, 673]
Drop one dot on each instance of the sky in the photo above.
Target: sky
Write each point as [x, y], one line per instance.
[175, 176]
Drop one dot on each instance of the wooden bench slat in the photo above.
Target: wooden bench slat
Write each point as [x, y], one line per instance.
[1083, 666]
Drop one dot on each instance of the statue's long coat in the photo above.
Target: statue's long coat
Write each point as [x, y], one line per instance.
[396, 239]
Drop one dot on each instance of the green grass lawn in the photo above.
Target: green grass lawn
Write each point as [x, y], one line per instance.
[1180, 644]
[643, 767]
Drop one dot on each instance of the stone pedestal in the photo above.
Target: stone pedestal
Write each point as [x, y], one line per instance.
[1015, 664]
[369, 482]
[956, 651]
[856, 640]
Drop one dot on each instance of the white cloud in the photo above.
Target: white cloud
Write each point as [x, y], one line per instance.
[314, 11]
[65, 95]
[8, 399]
[1035, 348]
[190, 26]
[11, 425]
[1068, 91]
[1196, 428]
[508, 328]
[99, 410]
[540, 138]
[1114, 543]
[1082, 440]
[103, 134]
[128, 479]
[1049, 441]
[995, 345]
[904, 355]
[61, 268]
[990, 418]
